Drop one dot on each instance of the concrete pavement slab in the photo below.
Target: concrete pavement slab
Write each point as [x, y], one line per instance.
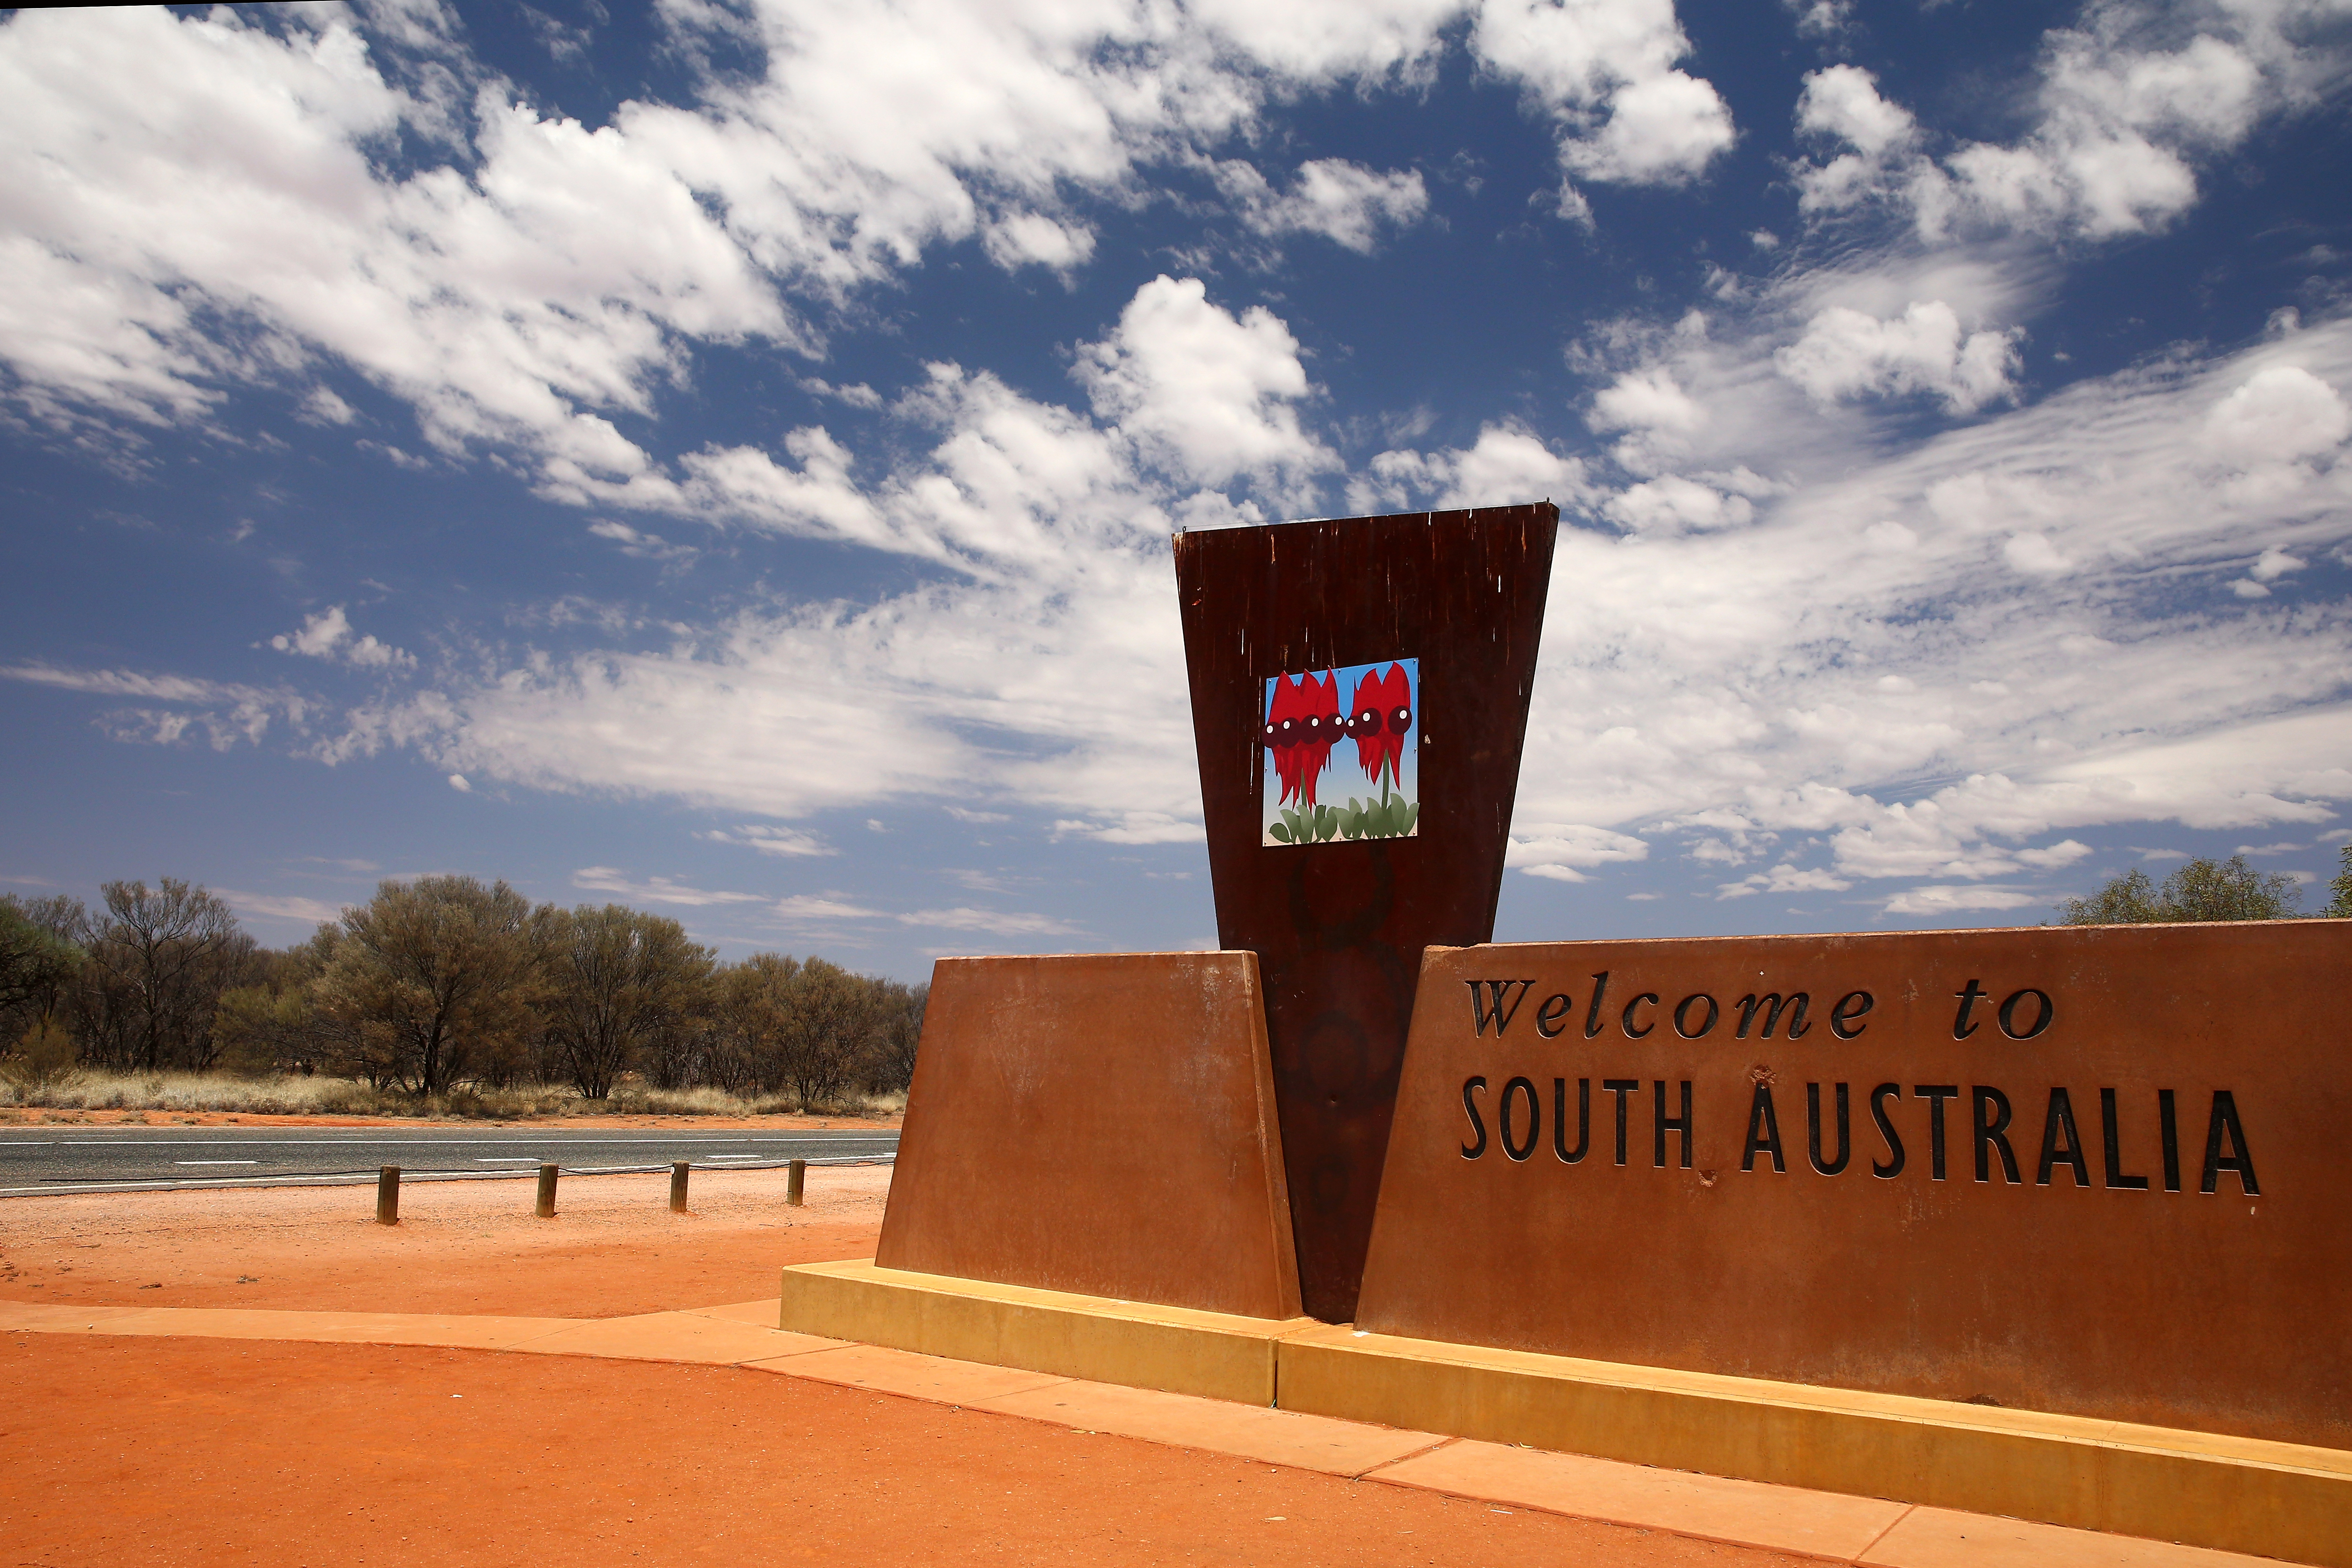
[1941, 1537]
[1276, 1436]
[904, 1372]
[1711, 1508]
[672, 1337]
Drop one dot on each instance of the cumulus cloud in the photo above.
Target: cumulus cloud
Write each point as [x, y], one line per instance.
[1924, 352]
[328, 635]
[2126, 108]
[1606, 70]
[1206, 394]
[1344, 201]
[1506, 465]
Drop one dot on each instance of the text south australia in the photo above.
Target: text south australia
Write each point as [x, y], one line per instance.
[2038, 1134]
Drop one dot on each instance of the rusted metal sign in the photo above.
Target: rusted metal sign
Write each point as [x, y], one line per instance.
[2098, 1171]
[1360, 697]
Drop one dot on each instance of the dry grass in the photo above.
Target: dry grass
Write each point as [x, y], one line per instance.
[294, 1096]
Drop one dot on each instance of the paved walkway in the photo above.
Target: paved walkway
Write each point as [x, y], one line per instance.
[1823, 1525]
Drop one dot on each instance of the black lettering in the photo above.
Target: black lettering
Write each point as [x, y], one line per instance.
[1813, 1131]
[1936, 1095]
[1482, 1013]
[1894, 1140]
[1749, 1005]
[2171, 1133]
[1512, 1146]
[1763, 1132]
[1665, 1123]
[2112, 1135]
[1548, 1017]
[1593, 1013]
[2060, 1119]
[1631, 1032]
[1559, 1119]
[2045, 1011]
[1682, 1015]
[2224, 1123]
[1850, 1006]
[1478, 1122]
[1991, 1134]
[1961, 1027]
[1620, 1087]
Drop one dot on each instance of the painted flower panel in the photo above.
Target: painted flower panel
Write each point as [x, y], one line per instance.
[1341, 754]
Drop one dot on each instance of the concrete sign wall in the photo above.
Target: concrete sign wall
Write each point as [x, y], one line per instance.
[2098, 1171]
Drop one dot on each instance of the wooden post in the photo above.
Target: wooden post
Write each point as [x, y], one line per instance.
[795, 1180]
[678, 1187]
[387, 1195]
[546, 1209]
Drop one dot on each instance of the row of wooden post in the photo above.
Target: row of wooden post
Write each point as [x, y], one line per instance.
[387, 1189]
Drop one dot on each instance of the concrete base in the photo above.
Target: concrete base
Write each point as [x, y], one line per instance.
[1179, 1349]
[2238, 1494]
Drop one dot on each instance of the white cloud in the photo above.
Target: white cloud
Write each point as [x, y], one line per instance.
[328, 635]
[2125, 112]
[1784, 878]
[1506, 465]
[770, 841]
[281, 906]
[994, 922]
[1342, 201]
[1554, 849]
[1605, 72]
[654, 890]
[1206, 394]
[461, 784]
[804, 907]
[2278, 415]
[1845, 353]
[1939, 899]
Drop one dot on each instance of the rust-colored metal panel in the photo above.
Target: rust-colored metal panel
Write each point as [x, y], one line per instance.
[1338, 926]
[2139, 1207]
[1098, 1123]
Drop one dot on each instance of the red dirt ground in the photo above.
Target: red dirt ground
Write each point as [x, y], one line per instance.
[186, 1452]
[225, 1454]
[613, 1249]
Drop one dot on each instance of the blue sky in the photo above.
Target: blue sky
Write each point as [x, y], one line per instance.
[720, 456]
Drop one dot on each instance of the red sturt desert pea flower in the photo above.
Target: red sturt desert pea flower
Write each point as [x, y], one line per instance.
[1302, 725]
[1379, 720]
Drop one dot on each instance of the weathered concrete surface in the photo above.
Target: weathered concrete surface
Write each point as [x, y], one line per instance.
[1099, 1124]
[2217, 1307]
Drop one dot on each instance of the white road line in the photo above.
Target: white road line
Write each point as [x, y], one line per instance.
[502, 1159]
[216, 1162]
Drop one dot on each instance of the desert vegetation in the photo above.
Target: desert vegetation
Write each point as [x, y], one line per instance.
[442, 994]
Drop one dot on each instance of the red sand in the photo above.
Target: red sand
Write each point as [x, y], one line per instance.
[613, 1249]
[208, 1454]
[186, 1452]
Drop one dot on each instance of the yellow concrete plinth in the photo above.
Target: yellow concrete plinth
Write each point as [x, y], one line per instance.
[2239, 1494]
[1214, 1355]
[2235, 1494]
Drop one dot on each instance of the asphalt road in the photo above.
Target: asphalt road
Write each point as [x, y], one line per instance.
[145, 1159]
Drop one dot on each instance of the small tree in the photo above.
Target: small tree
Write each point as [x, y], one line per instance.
[2340, 906]
[623, 987]
[36, 964]
[427, 974]
[831, 1027]
[746, 1024]
[2200, 890]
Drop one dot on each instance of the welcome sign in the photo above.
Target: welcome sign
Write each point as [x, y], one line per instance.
[2096, 1171]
